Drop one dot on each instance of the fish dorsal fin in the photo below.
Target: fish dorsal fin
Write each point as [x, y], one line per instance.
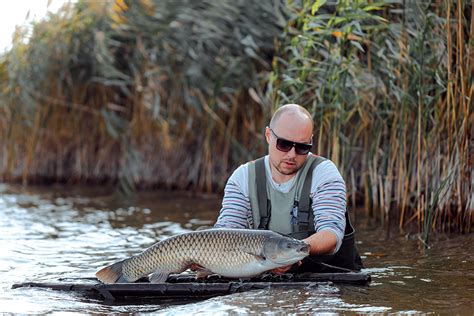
[248, 250]
[204, 227]
[158, 277]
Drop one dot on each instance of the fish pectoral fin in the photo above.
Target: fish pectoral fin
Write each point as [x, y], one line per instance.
[252, 252]
[203, 273]
[260, 257]
[158, 277]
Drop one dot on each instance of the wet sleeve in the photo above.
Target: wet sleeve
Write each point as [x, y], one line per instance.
[235, 211]
[329, 208]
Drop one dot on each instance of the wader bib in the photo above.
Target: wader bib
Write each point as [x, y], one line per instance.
[292, 214]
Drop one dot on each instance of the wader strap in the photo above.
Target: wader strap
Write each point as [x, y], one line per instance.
[305, 212]
[261, 179]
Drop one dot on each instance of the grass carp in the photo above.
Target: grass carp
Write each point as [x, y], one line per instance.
[233, 253]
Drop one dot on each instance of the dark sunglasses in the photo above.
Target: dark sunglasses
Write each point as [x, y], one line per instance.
[286, 145]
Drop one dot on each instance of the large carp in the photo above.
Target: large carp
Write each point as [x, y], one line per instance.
[233, 253]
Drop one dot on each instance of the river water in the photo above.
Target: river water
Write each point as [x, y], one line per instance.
[49, 233]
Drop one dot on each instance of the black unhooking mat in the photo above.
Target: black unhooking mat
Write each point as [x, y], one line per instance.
[187, 287]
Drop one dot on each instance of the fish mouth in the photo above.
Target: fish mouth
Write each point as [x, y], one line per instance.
[304, 248]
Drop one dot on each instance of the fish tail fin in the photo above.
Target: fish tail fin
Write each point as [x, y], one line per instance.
[112, 273]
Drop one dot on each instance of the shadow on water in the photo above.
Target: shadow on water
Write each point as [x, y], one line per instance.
[49, 234]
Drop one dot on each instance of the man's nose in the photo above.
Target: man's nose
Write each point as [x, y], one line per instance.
[292, 152]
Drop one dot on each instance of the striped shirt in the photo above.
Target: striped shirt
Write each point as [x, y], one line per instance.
[328, 195]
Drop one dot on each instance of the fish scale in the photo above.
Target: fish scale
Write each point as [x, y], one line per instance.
[228, 252]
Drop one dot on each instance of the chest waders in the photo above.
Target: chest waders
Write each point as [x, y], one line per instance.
[302, 218]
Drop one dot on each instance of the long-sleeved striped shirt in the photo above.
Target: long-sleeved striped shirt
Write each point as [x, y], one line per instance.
[328, 195]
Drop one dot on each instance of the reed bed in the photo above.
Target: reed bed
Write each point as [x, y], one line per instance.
[119, 93]
[176, 94]
[390, 87]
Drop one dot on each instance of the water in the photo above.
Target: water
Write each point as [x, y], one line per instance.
[48, 234]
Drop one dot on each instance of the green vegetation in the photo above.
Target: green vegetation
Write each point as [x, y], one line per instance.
[177, 93]
[390, 87]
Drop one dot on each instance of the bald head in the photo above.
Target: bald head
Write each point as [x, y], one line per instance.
[295, 111]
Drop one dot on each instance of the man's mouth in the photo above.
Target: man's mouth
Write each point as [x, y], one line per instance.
[289, 163]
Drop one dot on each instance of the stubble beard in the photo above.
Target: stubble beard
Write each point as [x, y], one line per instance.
[286, 172]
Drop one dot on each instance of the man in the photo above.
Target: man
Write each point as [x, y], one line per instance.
[293, 192]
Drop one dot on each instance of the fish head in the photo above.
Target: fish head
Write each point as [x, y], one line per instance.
[283, 250]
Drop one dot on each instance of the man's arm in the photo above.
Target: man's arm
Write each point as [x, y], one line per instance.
[235, 211]
[322, 242]
[329, 208]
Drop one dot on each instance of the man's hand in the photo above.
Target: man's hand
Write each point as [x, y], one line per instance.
[195, 267]
[283, 270]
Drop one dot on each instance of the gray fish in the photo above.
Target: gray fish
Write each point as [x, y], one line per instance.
[233, 253]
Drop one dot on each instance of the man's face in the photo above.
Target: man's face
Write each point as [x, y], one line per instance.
[294, 128]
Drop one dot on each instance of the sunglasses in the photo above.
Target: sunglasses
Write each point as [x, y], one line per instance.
[286, 145]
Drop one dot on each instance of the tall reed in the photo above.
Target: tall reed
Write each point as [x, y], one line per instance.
[390, 87]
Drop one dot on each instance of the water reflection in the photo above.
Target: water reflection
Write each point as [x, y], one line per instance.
[48, 234]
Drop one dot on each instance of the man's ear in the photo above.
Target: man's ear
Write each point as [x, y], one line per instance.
[267, 134]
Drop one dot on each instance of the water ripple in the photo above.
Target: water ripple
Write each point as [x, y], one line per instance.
[47, 236]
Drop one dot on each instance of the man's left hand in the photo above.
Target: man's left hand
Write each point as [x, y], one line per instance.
[285, 269]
